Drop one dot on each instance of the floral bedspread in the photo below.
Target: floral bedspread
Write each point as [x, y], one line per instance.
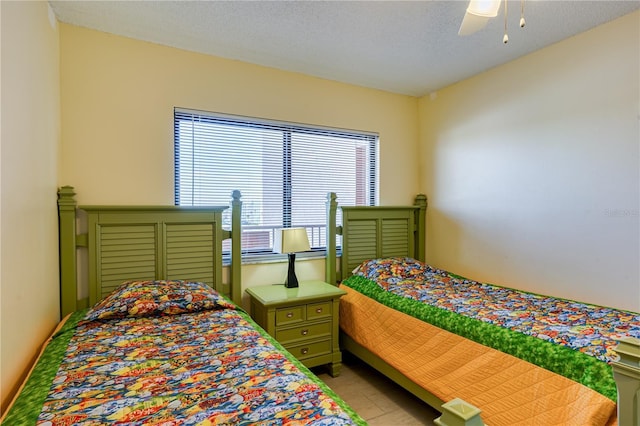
[587, 328]
[206, 368]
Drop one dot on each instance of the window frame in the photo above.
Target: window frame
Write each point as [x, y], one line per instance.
[287, 129]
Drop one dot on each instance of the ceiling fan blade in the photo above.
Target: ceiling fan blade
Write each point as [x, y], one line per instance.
[472, 23]
[477, 15]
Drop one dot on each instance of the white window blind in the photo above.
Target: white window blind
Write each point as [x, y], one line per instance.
[283, 170]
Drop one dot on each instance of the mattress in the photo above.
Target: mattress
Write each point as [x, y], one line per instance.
[206, 364]
[509, 391]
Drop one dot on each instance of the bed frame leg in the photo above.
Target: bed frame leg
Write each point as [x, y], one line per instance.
[459, 413]
[626, 373]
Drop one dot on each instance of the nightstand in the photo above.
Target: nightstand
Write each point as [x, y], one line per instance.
[303, 319]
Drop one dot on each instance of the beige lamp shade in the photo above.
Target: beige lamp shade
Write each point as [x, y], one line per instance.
[290, 240]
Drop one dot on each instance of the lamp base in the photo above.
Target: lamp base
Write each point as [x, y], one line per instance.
[292, 280]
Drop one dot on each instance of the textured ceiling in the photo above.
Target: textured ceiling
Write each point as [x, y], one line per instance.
[407, 47]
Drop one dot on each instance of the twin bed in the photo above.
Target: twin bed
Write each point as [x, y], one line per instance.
[156, 338]
[153, 334]
[471, 349]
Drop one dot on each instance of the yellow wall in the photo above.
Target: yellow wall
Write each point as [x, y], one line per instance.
[29, 234]
[532, 170]
[118, 96]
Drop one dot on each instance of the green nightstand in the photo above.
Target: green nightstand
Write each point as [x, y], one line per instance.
[303, 319]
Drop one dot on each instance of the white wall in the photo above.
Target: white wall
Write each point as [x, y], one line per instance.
[29, 164]
[532, 170]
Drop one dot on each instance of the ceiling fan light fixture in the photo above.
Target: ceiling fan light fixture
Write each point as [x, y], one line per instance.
[486, 8]
[477, 15]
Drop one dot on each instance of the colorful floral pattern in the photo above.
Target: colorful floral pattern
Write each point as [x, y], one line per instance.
[149, 298]
[583, 327]
[209, 367]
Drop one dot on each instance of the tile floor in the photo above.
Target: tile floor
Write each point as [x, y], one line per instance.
[375, 398]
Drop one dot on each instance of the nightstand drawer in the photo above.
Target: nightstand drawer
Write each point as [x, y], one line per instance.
[304, 332]
[310, 349]
[318, 310]
[290, 315]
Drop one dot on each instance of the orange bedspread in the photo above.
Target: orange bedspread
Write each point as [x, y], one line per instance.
[509, 391]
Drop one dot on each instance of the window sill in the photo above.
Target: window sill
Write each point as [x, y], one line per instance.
[276, 258]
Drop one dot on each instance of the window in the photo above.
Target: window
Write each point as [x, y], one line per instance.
[283, 170]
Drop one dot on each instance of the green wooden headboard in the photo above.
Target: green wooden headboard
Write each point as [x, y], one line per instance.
[144, 243]
[370, 232]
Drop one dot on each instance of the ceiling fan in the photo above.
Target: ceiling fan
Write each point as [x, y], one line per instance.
[480, 11]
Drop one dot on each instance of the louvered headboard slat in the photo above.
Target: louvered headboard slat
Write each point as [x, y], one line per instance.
[145, 243]
[370, 232]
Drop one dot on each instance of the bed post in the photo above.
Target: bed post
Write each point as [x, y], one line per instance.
[458, 412]
[626, 373]
[67, 250]
[330, 262]
[236, 248]
[421, 203]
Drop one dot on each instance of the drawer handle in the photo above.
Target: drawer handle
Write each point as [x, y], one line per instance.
[289, 314]
[318, 310]
[304, 332]
[304, 351]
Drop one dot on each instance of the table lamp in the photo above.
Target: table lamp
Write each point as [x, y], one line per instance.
[291, 241]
